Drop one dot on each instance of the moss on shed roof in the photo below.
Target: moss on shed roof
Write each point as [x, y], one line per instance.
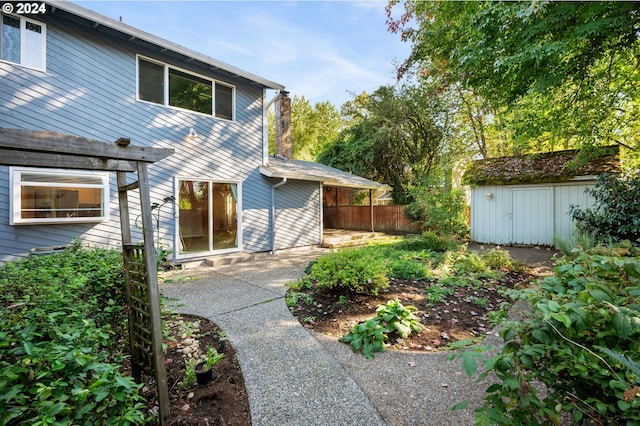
[539, 168]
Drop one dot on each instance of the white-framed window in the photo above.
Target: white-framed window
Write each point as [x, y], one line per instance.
[209, 218]
[58, 196]
[23, 41]
[162, 84]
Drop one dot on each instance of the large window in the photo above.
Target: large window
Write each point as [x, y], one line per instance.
[165, 85]
[58, 196]
[208, 216]
[23, 41]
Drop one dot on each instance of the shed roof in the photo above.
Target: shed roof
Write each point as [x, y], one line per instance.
[540, 168]
[316, 172]
[131, 34]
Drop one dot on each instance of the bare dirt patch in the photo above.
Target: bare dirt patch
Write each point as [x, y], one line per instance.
[468, 311]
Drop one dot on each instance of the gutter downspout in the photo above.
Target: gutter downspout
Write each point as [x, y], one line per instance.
[273, 214]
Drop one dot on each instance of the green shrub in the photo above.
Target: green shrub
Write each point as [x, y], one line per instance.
[582, 341]
[441, 211]
[371, 335]
[351, 270]
[484, 262]
[498, 259]
[407, 267]
[428, 240]
[469, 263]
[615, 215]
[58, 363]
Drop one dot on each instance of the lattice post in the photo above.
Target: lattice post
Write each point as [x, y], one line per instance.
[143, 297]
[152, 288]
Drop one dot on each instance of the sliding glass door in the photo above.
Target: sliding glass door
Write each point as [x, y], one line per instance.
[208, 216]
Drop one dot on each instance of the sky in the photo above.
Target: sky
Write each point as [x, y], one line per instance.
[322, 50]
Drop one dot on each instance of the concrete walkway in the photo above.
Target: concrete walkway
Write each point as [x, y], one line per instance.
[299, 377]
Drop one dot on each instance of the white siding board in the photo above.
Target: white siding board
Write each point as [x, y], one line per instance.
[526, 214]
[532, 216]
[565, 196]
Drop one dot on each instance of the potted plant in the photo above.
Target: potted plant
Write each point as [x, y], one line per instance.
[203, 369]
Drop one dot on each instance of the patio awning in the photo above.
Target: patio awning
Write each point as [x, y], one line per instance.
[316, 172]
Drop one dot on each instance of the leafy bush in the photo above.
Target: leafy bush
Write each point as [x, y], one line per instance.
[616, 213]
[441, 211]
[57, 361]
[497, 259]
[582, 341]
[371, 335]
[481, 263]
[407, 267]
[351, 270]
[429, 240]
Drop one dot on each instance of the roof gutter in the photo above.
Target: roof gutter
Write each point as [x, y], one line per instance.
[273, 214]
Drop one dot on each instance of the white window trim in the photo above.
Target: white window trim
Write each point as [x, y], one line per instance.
[179, 255]
[166, 89]
[23, 44]
[15, 199]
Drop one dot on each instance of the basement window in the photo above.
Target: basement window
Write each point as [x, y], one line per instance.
[58, 196]
[161, 84]
[23, 41]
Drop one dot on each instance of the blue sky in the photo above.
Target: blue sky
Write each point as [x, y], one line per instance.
[323, 50]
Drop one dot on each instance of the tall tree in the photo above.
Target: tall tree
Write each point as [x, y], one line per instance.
[394, 138]
[564, 73]
[312, 127]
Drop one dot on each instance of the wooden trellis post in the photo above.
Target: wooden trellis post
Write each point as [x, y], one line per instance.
[55, 150]
[143, 298]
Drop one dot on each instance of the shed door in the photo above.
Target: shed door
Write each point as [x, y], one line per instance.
[532, 216]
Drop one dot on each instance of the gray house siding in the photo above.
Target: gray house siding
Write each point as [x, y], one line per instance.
[89, 90]
[298, 220]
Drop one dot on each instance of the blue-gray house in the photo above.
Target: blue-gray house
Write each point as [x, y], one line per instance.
[75, 72]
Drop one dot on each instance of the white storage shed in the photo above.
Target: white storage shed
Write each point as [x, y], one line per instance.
[525, 200]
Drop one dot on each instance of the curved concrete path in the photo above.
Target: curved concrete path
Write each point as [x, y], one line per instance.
[298, 377]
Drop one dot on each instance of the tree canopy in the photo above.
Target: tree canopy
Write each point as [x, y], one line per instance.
[394, 137]
[557, 73]
[312, 127]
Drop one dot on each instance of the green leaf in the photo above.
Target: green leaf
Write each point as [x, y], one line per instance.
[563, 318]
[553, 306]
[402, 329]
[469, 366]
[123, 382]
[622, 324]
[509, 333]
[527, 360]
[460, 406]
[600, 296]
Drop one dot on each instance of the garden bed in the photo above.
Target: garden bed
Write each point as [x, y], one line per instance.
[224, 400]
[464, 311]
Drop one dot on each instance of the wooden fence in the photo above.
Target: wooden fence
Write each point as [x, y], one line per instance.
[389, 219]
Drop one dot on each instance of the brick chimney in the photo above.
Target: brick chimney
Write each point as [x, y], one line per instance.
[283, 126]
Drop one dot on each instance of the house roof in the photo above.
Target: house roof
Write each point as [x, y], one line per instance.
[540, 168]
[130, 34]
[316, 172]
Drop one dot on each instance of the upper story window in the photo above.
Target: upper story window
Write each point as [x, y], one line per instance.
[165, 85]
[23, 41]
[58, 196]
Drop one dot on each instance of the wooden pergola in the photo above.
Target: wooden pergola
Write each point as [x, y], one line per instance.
[56, 150]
